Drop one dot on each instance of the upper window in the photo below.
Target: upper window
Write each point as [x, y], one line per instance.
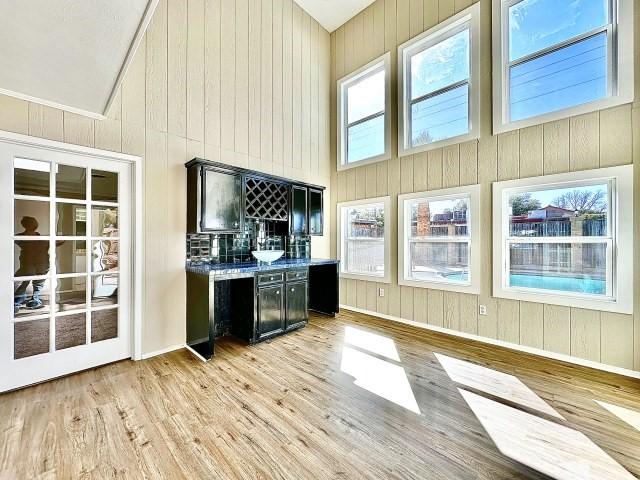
[440, 239]
[363, 238]
[557, 59]
[566, 239]
[363, 115]
[439, 91]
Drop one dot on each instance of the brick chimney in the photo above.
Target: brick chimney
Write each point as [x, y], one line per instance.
[424, 220]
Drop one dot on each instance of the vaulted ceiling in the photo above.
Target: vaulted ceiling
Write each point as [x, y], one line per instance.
[333, 13]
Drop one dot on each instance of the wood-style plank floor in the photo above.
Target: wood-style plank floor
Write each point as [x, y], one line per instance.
[346, 397]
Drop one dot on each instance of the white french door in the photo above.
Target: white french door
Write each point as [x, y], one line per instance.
[65, 230]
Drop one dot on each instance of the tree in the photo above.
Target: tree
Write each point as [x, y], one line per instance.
[583, 201]
[522, 204]
[460, 206]
[422, 138]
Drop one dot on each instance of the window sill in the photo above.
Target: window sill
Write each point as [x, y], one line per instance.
[366, 278]
[366, 161]
[403, 152]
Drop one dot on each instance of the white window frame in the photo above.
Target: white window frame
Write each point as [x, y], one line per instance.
[620, 66]
[467, 18]
[472, 192]
[620, 256]
[386, 201]
[381, 63]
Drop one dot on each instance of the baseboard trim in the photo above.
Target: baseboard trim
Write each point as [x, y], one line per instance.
[160, 352]
[522, 348]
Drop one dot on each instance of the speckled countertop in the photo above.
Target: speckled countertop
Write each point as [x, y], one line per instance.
[225, 271]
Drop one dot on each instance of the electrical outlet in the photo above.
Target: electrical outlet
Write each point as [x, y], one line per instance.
[483, 309]
[381, 290]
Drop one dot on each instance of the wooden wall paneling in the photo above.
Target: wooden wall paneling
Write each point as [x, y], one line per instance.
[430, 15]
[372, 293]
[378, 36]
[242, 82]
[532, 324]
[393, 290]
[420, 172]
[257, 49]
[556, 147]
[314, 77]
[368, 32]
[133, 140]
[34, 119]
[133, 88]
[297, 86]
[403, 21]
[636, 224]
[508, 149]
[446, 8]
[287, 83]
[212, 81]
[390, 45]
[371, 179]
[435, 307]
[421, 305]
[361, 294]
[14, 115]
[451, 166]
[416, 17]
[557, 329]
[434, 169]
[615, 136]
[382, 178]
[360, 182]
[177, 37]
[227, 80]
[584, 146]
[351, 191]
[79, 129]
[305, 94]
[108, 134]
[156, 69]
[342, 188]
[509, 320]
[468, 313]
[460, 5]
[531, 151]
[469, 163]
[406, 302]
[325, 139]
[272, 144]
[382, 303]
[451, 310]
[359, 49]
[617, 339]
[351, 291]
[585, 334]
[406, 174]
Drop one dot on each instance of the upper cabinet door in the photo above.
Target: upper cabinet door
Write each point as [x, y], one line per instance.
[298, 210]
[221, 201]
[315, 212]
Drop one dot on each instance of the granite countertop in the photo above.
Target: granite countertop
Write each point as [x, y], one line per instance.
[247, 269]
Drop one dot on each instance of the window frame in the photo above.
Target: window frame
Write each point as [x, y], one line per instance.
[381, 63]
[620, 235]
[386, 201]
[473, 240]
[620, 65]
[469, 16]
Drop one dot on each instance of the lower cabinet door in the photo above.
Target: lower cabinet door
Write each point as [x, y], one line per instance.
[270, 311]
[297, 313]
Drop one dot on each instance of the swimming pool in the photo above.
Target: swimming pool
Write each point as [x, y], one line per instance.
[563, 284]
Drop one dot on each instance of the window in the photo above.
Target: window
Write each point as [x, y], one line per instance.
[439, 239]
[555, 59]
[566, 239]
[363, 115]
[363, 239]
[439, 84]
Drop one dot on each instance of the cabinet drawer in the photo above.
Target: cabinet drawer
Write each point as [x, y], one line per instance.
[296, 275]
[266, 278]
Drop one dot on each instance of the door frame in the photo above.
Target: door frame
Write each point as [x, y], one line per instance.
[137, 212]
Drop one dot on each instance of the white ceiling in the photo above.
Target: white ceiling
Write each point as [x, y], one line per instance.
[69, 53]
[331, 14]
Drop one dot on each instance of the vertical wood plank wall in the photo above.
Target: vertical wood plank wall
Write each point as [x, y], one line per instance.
[599, 139]
[245, 82]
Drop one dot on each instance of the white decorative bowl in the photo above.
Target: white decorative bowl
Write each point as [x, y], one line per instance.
[267, 255]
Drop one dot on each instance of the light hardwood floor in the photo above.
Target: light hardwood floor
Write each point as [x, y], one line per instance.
[291, 408]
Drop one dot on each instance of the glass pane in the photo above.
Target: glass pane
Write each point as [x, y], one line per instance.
[104, 290]
[440, 117]
[439, 261]
[366, 97]
[571, 76]
[31, 297]
[104, 324]
[441, 65]
[30, 338]
[364, 239]
[366, 139]
[71, 293]
[560, 212]
[223, 193]
[71, 330]
[439, 218]
[31, 217]
[104, 186]
[71, 256]
[104, 255]
[31, 177]
[538, 24]
[71, 182]
[104, 222]
[31, 257]
[566, 267]
[71, 220]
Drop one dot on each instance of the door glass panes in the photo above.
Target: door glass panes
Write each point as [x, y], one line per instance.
[71, 182]
[363, 239]
[104, 186]
[104, 324]
[31, 257]
[104, 255]
[71, 293]
[104, 221]
[30, 338]
[104, 290]
[71, 220]
[31, 297]
[71, 330]
[71, 256]
[31, 177]
[31, 217]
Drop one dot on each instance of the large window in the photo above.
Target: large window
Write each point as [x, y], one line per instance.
[363, 239]
[439, 84]
[554, 59]
[363, 115]
[439, 239]
[566, 239]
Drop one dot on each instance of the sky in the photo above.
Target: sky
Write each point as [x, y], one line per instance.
[547, 197]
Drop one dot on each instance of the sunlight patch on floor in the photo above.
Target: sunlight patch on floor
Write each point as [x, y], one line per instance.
[630, 417]
[371, 342]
